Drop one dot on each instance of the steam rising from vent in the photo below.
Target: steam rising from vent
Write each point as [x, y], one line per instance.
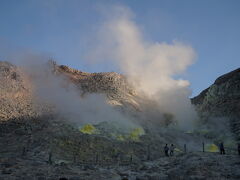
[64, 98]
[150, 66]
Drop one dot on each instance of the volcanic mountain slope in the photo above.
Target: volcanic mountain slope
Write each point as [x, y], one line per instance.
[22, 99]
[18, 98]
[22, 112]
[36, 142]
[109, 82]
[222, 99]
[115, 86]
[28, 125]
[29, 130]
[119, 92]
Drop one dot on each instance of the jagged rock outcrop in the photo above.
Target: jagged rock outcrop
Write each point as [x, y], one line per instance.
[115, 86]
[222, 99]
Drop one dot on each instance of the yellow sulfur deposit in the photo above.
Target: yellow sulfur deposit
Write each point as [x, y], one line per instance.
[136, 133]
[88, 129]
[212, 148]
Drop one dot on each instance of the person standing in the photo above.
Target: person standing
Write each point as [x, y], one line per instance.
[221, 147]
[172, 147]
[166, 149]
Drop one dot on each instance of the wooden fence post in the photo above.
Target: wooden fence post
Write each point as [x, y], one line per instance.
[97, 158]
[185, 148]
[50, 157]
[148, 153]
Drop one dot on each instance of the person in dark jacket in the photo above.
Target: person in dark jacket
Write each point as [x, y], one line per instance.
[166, 149]
[221, 147]
[172, 147]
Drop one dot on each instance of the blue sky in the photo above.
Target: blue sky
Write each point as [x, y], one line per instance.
[63, 30]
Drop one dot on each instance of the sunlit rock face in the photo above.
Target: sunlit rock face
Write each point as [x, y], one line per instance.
[120, 93]
[222, 99]
[15, 93]
[115, 86]
[21, 97]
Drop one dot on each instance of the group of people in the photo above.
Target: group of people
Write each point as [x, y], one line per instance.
[169, 151]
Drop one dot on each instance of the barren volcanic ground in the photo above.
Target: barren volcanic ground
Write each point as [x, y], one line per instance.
[39, 142]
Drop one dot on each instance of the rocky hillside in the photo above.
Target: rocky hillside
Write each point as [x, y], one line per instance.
[37, 142]
[119, 92]
[115, 86]
[222, 99]
[16, 98]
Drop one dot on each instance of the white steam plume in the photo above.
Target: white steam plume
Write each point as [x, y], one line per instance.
[150, 66]
[65, 97]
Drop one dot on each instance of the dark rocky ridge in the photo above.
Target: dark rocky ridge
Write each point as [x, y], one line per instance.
[222, 99]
